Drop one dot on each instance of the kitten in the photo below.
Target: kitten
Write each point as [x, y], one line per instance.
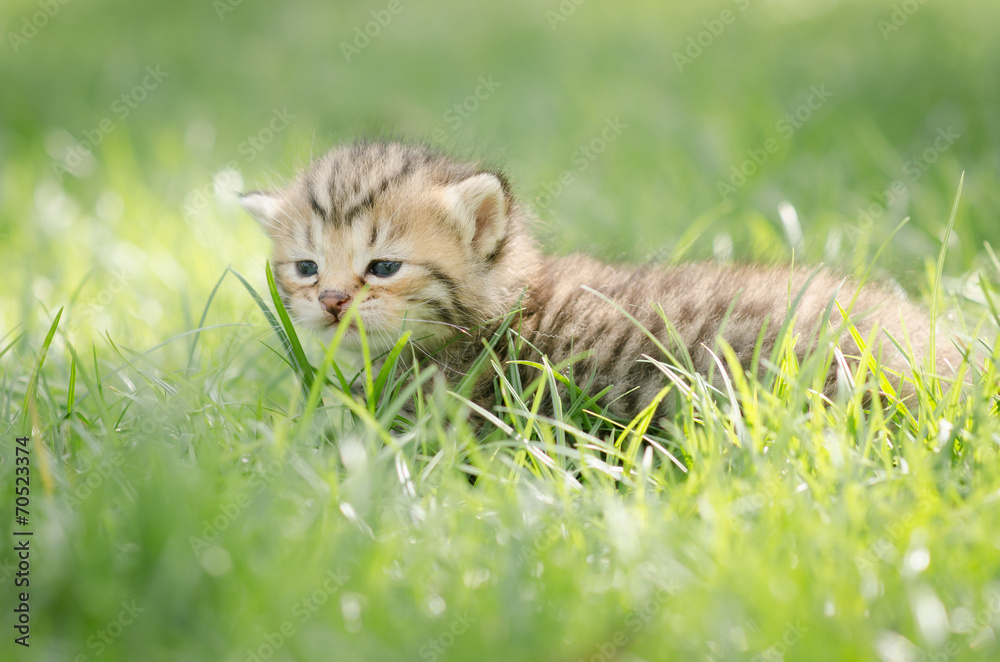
[444, 250]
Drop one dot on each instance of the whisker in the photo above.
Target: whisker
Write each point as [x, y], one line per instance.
[454, 326]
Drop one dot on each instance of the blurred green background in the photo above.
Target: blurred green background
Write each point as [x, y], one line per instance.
[557, 71]
[125, 128]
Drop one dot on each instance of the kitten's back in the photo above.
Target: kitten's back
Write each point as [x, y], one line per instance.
[702, 301]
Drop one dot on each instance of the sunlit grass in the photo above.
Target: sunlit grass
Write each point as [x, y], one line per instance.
[257, 494]
[222, 503]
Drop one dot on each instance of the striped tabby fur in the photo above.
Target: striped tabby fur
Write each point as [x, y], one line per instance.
[466, 258]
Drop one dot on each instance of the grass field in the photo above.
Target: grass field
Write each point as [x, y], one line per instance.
[191, 498]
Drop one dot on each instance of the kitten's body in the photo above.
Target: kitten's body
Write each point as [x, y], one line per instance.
[702, 301]
[460, 255]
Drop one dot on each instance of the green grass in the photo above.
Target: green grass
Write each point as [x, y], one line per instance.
[205, 486]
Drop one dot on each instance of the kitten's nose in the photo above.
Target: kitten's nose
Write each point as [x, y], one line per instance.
[334, 301]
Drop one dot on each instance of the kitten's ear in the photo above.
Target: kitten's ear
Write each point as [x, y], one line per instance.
[480, 206]
[266, 207]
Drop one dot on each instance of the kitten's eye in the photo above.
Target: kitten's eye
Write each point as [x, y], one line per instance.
[306, 268]
[383, 268]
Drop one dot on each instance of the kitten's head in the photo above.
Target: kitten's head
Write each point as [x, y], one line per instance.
[414, 240]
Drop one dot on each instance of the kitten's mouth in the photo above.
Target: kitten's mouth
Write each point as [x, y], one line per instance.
[332, 324]
[331, 318]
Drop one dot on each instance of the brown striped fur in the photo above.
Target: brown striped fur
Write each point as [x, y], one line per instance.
[468, 259]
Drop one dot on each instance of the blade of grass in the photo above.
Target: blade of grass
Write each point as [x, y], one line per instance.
[306, 371]
[204, 315]
[71, 389]
[939, 271]
[29, 412]
[389, 366]
[29, 394]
